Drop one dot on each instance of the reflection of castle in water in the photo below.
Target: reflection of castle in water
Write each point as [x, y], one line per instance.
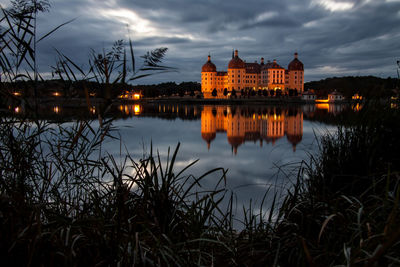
[242, 124]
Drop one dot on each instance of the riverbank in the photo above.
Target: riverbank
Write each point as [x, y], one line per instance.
[184, 100]
[56, 208]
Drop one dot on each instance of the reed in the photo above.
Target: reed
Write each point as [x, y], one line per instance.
[64, 201]
[343, 209]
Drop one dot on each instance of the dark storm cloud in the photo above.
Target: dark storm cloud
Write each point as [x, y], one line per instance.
[333, 37]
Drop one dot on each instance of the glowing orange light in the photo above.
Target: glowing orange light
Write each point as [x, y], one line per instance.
[17, 93]
[137, 109]
[56, 109]
[17, 110]
[56, 94]
[136, 96]
[322, 106]
[357, 107]
[93, 110]
[322, 100]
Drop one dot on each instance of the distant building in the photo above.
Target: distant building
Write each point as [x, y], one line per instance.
[251, 76]
[309, 96]
[335, 96]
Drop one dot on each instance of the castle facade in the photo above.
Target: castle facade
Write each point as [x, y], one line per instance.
[242, 77]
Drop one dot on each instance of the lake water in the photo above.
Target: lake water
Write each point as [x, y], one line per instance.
[259, 145]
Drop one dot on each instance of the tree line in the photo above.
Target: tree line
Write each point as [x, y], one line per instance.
[367, 86]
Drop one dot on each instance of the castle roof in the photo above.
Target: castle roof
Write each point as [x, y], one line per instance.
[208, 136]
[295, 64]
[294, 138]
[236, 62]
[272, 65]
[253, 68]
[236, 141]
[222, 73]
[209, 66]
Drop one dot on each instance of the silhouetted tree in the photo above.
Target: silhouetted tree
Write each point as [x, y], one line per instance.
[233, 93]
[214, 92]
[367, 86]
[265, 92]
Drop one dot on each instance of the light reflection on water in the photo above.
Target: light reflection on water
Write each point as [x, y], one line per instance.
[252, 142]
[259, 145]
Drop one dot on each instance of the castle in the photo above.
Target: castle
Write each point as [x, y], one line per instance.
[242, 77]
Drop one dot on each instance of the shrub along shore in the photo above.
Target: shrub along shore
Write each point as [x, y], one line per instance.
[64, 201]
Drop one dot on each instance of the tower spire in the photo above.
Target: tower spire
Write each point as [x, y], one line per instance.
[232, 53]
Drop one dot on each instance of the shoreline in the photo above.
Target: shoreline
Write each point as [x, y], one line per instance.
[82, 102]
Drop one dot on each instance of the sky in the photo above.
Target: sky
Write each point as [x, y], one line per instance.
[332, 37]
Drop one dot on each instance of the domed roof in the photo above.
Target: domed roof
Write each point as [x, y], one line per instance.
[295, 64]
[209, 66]
[208, 136]
[236, 62]
[235, 141]
[294, 138]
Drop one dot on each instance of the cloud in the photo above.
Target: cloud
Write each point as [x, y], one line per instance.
[332, 37]
[333, 5]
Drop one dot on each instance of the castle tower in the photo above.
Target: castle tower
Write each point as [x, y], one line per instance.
[296, 74]
[208, 78]
[236, 73]
[208, 125]
[294, 128]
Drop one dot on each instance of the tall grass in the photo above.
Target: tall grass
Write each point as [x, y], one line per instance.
[344, 209]
[65, 202]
